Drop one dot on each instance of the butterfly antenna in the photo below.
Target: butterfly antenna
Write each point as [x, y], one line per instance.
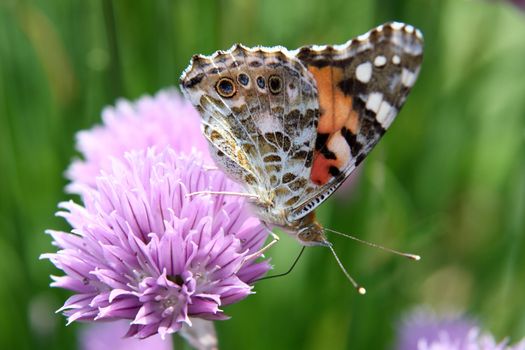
[370, 244]
[360, 290]
[287, 272]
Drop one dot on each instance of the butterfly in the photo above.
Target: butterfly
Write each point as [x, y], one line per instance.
[291, 126]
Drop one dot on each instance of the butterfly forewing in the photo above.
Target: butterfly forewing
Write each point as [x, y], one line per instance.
[362, 85]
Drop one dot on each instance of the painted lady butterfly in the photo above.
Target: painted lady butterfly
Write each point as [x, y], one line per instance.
[291, 126]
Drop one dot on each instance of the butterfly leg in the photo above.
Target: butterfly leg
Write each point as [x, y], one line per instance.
[260, 252]
[210, 168]
[239, 194]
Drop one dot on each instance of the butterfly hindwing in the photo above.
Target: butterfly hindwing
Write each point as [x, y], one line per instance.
[362, 85]
[259, 112]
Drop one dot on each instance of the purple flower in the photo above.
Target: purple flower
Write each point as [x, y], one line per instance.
[423, 330]
[141, 250]
[163, 120]
[108, 336]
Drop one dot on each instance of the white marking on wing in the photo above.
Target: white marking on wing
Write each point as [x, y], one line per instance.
[363, 72]
[396, 59]
[374, 101]
[380, 61]
[408, 78]
[386, 114]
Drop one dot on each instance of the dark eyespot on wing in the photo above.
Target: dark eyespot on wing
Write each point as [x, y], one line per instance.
[243, 79]
[225, 87]
[260, 82]
[274, 83]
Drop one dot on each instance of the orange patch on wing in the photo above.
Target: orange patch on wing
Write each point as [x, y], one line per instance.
[336, 112]
[352, 123]
[320, 174]
[335, 106]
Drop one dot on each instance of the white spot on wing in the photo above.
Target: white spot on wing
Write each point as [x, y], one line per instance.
[374, 101]
[363, 37]
[383, 112]
[396, 59]
[396, 25]
[380, 61]
[386, 114]
[363, 72]
[338, 145]
[318, 47]
[408, 78]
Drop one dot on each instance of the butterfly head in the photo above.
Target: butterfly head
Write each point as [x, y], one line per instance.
[310, 232]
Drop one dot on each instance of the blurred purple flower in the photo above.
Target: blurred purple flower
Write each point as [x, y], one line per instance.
[141, 250]
[108, 336]
[423, 330]
[423, 324]
[519, 3]
[165, 119]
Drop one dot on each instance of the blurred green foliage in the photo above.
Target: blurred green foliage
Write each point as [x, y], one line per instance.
[447, 181]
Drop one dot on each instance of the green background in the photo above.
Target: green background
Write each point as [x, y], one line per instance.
[447, 181]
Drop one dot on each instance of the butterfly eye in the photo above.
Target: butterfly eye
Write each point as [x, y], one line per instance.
[260, 82]
[225, 87]
[274, 82]
[243, 79]
[306, 235]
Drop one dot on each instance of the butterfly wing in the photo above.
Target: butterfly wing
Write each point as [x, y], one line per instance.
[361, 87]
[259, 113]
